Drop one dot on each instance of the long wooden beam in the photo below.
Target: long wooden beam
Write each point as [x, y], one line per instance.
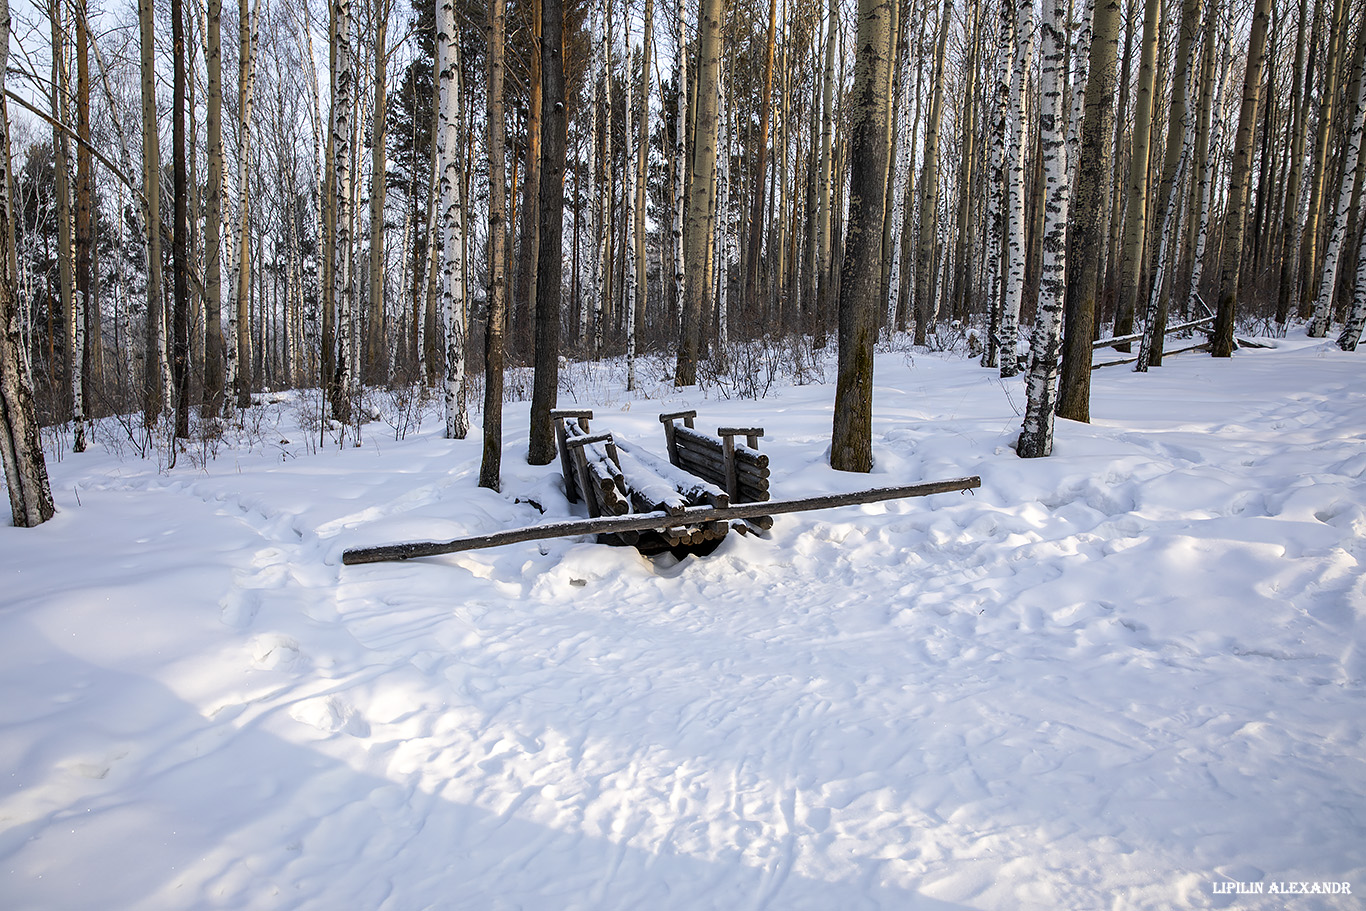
[651, 520]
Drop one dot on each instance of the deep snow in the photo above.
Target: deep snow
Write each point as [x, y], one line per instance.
[1116, 678]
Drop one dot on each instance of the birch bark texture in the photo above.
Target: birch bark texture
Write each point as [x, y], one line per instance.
[851, 441]
[1323, 307]
[450, 219]
[1017, 252]
[21, 449]
[1041, 385]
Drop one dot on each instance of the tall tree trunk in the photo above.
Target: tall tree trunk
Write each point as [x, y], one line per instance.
[1016, 236]
[637, 317]
[490, 468]
[157, 376]
[1231, 260]
[1356, 317]
[375, 348]
[906, 266]
[679, 146]
[1323, 307]
[246, 70]
[755, 233]
[967, 161]
[86, 355]
[213, 216]
[698, 234]
[996, 186]
[1036, 437]
[545, 384]
[824, 191]
[61, 167]
[1309, 242]
[21, 449]
[1287, 287]
[180, 254]
[1180, 139]
[1136, 215]
[851, 440]
[528, 245]
[343, 83]
[1211, 100]
[1085, 233]
[929, 190]
[451, 223]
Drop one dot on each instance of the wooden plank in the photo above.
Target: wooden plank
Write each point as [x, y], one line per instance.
[655, 520]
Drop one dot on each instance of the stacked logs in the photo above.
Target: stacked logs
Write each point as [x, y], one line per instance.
[740, 467]
[615, 478]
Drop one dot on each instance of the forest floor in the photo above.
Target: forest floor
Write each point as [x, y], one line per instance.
[1128, 676]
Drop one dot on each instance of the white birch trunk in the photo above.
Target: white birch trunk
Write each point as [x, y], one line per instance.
[21, 450]
[1081, 59]
[451, 222]
[343, 111]
[997, 191]
[628, 270]
[680, 142]
[1041, 385]
[247, 40]
[587, 300]
[1323, 307]
[1170, 232]
[1351, 330]
[1015, 206]
[723, 235]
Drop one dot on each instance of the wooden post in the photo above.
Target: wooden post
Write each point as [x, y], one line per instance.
[559, 416]
[668, 421]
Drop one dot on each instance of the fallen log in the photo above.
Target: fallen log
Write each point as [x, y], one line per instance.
[652, 521]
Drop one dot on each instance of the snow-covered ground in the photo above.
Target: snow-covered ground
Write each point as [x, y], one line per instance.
[1129, 676]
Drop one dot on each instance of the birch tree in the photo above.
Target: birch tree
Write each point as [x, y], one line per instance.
[1016, 250]
[180, 229]
[1356, 318]
[21, 449]
[86, 319]
[1323, 307]
[343, 79]
[1036, 438]
[679, 145]
[451, 221]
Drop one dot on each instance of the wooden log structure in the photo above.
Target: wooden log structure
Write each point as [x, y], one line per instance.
[739, 467]
[692, 516]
